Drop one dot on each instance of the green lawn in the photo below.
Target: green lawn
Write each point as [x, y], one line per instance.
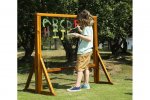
[120, 90]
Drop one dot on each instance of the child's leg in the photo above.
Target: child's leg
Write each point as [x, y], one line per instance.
[78, 82]
[86, 85]
[79, 78]
[86, 76]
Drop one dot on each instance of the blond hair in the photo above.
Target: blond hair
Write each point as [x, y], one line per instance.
[85, 18]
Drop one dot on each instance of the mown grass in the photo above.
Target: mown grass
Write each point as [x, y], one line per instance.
[120, 90]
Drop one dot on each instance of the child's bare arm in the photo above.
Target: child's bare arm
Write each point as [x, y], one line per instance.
[83, 37]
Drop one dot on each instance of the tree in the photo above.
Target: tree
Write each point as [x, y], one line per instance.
[121, 26]
[26, 32]
[26, 10]
[114, 21]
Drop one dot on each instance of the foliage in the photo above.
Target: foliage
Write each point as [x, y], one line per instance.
[26, 10]
[65, 7]
[114, 19]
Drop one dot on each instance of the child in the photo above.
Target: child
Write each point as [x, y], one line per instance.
[85, 21]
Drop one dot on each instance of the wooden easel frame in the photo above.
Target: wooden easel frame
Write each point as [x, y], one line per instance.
[39, 66]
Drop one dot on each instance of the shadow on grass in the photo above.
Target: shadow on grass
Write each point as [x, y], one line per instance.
[24, 66]
[58, 86]
[105, 82]
[34, 92]
[55, 58]
[62, 79]
[44, 80]
[60, 61]
[128, 79]
[45, 90]
[119, 59]
[123, 60]
[128, 93]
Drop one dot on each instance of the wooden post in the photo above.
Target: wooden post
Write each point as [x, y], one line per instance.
[95, 56]
[39, 65]
[38, 70]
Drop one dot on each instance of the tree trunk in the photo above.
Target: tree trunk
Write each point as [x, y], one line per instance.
[27, 57]
[115, 46]
[71, 53]
[56, 44]
[28, 47]
[124, 49]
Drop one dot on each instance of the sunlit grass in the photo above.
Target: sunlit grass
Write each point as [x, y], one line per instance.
[120, 90]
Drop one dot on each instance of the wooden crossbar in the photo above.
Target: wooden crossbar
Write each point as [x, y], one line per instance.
[58, 69]
[59, 15]
[39, 66]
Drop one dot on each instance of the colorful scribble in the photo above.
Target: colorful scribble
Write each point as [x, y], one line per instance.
[58, 28]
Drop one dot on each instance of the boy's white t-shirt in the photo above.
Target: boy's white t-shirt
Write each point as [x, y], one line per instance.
[84, 46]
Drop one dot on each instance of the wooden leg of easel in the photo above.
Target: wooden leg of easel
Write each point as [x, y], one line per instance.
[104, 68]
[29, 78]
[47, 77]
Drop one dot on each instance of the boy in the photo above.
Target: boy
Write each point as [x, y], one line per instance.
[85, 21]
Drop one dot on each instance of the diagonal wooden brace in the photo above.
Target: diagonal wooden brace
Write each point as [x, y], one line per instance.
[104, 68]
[47, 77]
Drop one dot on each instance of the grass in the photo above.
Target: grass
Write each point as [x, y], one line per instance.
[120, 90]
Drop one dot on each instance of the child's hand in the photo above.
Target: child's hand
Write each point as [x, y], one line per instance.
[79, 28]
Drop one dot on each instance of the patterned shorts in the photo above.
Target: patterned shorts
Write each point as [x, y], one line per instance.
[83, 61]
